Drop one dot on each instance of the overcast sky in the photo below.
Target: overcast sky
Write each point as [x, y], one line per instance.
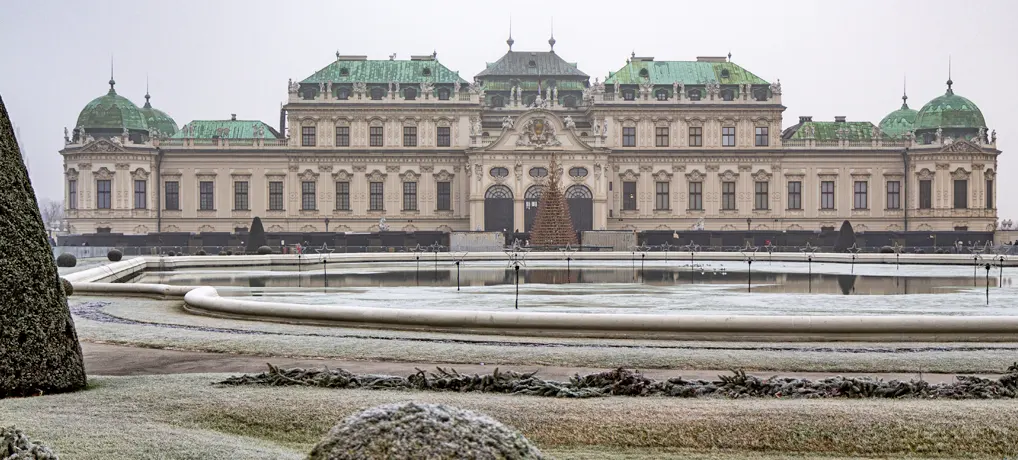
[208, 59]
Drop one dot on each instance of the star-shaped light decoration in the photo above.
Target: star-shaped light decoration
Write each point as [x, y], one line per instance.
[666, 246]
[808, 249]
[435, 247]
[897, 248]
[568, 248]
[691, 247]
[418, 249]
[854, 249]
[325, 249]
[517, 254]
[749, 252]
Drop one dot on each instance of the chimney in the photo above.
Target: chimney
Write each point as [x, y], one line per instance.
[839, 119]
[804, 119]
[233, 117]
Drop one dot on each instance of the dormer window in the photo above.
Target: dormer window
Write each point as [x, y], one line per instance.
[693, 95]
[410, 94]
[497, 101]
[426, 72]
[443, 94]
[569, 101]
[343, 94]
[661, 95]
[728, 95]
[760, 94]
[532, 63]
[344, 72]
[644, 73]
[377, 93]
[629, 95]
[725, 73]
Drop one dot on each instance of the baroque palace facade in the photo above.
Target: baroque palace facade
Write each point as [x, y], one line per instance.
[673, 145]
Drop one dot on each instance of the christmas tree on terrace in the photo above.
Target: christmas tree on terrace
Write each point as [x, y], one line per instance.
[553, 225]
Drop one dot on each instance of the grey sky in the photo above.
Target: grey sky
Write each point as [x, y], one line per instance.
[208, 59]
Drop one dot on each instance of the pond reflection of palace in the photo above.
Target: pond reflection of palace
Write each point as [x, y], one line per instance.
[445, 275]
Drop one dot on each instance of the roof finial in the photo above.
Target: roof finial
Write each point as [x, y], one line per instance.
[904, 92]
[147, 104]
[337, 54]
[551, 41]
[729, 55]
[949, 81]
[510, 41]
[112, 82]
[634, 54]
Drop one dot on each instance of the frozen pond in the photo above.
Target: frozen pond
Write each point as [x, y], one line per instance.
[779, 288]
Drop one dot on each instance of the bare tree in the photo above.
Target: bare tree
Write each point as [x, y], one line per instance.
[52, 211]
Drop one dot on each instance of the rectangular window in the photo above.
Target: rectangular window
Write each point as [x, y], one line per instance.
[410, 196]
[103, 194]
[240, 196]
[375, 190]
[961, 190]
[375, 133]
[206, 196]
[926, 194]
[661, 195]
[409, 136]
[629, 137]
[307, 195]
[728, 136]
[342, 136]
[72, 194]
[307, 136]
[762, 138]
[760, 195]
[728, 196]
[894, 195]
[989, 194]
[861, 199]
[795, 195]
[172, 196]
[661, 137]
[629, 196]
[444, 196]
[444, 140]
[140, 201]
[696, 196]
[276, 196]
[343, 196]
[827, 194]
[696, 136]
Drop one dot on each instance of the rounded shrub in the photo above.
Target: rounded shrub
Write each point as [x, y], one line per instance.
[200, 252]
[886, 250]
[171, 253]
[411, 431]
[68, 287]
[66, 260]
[222, 253]
[920, 251]
[115, 255]
[229, 253]
[264, 250]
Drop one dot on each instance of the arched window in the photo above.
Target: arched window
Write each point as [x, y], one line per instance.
[410, 94]
[725, 73]
[377, 93]
[532, 63]
[661, 94]
[538, 172]
[344, 72]
[308, 93]
[578, 191]
[644, 73]
[693, 95]
[343, 94]
[499, 171]
[578, 171]
[499, 191]
[728, 95]
[629, 95]
[569, 101]
[426, 72]
[443, 94]
[497, 101]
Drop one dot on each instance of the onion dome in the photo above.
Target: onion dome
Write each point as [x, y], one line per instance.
[111, 114]
[158, 120]
[900, 121]
[950, 112]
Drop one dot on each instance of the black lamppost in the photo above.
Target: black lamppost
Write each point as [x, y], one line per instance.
[987, 284]
[326, 225]
[749, 223]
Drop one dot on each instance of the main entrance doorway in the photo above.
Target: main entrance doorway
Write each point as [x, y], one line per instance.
[498, 209]
[531, 200]
[581, 207]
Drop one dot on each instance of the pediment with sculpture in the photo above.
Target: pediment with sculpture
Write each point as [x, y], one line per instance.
[539, 129]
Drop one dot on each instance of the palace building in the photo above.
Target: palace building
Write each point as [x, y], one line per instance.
[656, 145]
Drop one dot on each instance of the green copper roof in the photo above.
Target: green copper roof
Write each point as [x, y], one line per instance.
[226, 129]
[384, 71]
[828, 130]
[562, 85]
[949, 111]
[532, 64]
[111, 111]
[157, 119]
[900, 121]
[685, 72]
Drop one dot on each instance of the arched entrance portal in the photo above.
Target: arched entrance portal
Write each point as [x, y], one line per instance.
[581, 207]
[498, 209]
[531, 200]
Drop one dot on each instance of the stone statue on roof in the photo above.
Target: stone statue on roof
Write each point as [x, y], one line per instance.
[321, 87]
[875, 132]
[507, 122]
[456, 87]
[570, 124]
[293, 86]
[476, 87]
[939, 135]
[67, 136]
[475, 127]
[427, 88]
[993, 137]
[618, 89]
[776, 88]
[982, 136]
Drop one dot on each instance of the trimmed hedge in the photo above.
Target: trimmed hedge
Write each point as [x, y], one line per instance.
[264, 250]
[115, 255]
[67, 260]
[68, 287]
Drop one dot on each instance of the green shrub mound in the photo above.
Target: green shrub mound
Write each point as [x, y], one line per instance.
[200, 252]
[114, 255]
[222, 253]
[886, 250]
[413, 431]
[67, 260]
[14, 445]
[229, 253]
[171, 253]
[264, 250]
[68, 287]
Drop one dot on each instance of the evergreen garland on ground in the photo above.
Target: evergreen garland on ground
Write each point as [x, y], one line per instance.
[626, 382]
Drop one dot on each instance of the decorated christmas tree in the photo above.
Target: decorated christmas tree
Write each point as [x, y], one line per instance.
[553, 225]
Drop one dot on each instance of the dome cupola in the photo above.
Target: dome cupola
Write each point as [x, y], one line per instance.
[159, 123]
[951, 115]
[111, 115]
[900, 121]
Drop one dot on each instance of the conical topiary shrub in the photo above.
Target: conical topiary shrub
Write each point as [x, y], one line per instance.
[39, 350]
[255, 236]
[553, 225]
[846, 238]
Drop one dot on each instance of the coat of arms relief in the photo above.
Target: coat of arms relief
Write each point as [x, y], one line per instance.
[537, 133]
